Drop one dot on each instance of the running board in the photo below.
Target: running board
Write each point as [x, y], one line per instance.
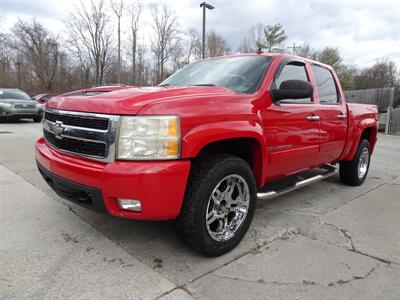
[328, 171]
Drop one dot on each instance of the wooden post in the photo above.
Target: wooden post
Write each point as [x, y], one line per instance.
[387, 123]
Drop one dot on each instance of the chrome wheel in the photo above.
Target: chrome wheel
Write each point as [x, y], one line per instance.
[227, 207]
[363, 163]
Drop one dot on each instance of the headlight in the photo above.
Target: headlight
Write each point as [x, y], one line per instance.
[149, 137]
[5, 105]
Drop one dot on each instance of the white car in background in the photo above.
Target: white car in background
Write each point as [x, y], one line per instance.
[16, 104]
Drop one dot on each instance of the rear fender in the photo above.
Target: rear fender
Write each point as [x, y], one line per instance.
[355, 136]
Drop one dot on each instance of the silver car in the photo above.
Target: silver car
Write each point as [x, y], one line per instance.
[16, 104]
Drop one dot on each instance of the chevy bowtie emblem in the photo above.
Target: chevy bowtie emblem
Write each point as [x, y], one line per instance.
[58, 130]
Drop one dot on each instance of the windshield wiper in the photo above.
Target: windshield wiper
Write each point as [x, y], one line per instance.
[166, 84]
[203, 84]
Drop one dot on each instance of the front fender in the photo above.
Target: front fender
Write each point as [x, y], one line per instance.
[200, 136]
[204, 134]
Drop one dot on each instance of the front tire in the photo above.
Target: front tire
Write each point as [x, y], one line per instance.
[354, 172]
[219, 204]
[37, 119]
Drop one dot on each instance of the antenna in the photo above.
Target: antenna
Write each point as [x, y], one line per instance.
[294, 48]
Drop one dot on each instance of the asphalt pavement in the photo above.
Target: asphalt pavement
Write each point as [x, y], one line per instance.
[325, 241]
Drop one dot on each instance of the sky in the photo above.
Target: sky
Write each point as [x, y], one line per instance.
[363, 31]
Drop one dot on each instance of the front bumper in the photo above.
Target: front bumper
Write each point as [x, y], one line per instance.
[20, 113]
[159, 186]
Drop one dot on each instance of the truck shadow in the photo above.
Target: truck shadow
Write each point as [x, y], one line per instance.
[156, 244]
[16, 121]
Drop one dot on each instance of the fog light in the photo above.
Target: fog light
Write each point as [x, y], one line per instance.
[129, 204]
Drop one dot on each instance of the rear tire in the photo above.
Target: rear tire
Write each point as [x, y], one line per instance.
[355, 171]
[37, 119]
[219, 204]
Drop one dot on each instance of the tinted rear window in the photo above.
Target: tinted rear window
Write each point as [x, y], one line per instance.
[325, 85]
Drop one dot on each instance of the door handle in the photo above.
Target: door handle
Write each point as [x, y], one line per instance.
[313, 118]
[342, 116]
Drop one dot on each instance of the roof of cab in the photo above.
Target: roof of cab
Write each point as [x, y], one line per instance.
[273, 54]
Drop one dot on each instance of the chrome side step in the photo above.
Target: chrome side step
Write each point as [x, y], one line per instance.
[329, 170]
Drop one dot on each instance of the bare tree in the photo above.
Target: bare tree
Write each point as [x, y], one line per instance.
[178, 57]
[165, 26]
[83, 57]
[143, 67]
[89, 30]
[216, 45]
[6, 61]
[193, 45]
[135, 11]
[254, 37]
[382, 74]
[307, 52]
[39, 48]
[118, 8]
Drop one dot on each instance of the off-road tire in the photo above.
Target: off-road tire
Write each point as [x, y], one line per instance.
[206, 173]
[349, 170]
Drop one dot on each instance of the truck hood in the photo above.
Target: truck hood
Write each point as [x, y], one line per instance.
[131, 100]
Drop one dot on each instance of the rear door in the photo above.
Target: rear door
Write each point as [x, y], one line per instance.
[291, 127]
[332, 112]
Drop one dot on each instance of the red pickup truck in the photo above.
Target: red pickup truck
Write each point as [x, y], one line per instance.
[206, 143]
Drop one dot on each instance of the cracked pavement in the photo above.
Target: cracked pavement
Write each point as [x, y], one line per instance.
[325, 241]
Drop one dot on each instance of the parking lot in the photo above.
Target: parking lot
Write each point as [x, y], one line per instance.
[325, 241]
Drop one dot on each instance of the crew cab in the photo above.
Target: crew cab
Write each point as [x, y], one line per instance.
[206, 143]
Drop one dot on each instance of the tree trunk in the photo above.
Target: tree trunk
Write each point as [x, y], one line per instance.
[119, 51]
[134, 58]
[158, 71]
[97, 75]
[161, 66]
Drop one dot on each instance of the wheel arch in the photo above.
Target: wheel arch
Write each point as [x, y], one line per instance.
[370, 134]
[367, 131]
[238, 138]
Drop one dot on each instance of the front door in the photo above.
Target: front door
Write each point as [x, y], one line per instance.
[291, 128]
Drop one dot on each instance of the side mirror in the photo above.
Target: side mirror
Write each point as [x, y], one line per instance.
[293, 89]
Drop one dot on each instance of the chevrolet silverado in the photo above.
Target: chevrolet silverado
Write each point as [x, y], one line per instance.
[206, 143]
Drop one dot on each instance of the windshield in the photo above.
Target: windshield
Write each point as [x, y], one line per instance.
[13, 94]
[242, 74]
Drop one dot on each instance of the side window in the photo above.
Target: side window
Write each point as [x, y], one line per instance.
[326, 85]
[290, 72]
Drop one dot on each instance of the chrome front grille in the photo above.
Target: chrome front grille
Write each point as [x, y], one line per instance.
[24, 106]
[79, 121]
[76, 145]
[83, 134]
